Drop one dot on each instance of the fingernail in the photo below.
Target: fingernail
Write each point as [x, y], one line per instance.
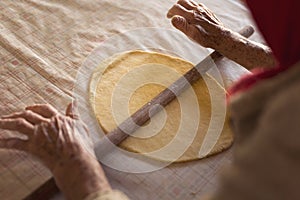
[178, 21]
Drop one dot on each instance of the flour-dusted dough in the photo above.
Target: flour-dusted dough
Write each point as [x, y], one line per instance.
[105, 86]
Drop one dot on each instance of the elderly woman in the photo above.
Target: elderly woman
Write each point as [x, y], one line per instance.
[264, 106]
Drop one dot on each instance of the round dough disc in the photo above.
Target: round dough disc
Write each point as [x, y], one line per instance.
[115, 83]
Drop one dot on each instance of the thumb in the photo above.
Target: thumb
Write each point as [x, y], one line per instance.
[180, 23]
[193, 31]
[72, 110]
[188, 29]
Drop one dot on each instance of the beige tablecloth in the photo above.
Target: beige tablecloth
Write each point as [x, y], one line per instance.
[42, 46]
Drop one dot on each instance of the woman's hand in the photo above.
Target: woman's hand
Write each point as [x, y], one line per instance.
[201, 25]
[51, 136]
[197, 22]
[62, 144]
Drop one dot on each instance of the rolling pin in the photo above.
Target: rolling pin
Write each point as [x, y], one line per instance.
[141, 116]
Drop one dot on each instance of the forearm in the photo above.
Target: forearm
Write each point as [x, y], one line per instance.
[245, 52]
[80, 177]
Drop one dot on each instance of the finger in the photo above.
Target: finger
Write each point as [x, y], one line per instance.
[180, 10]
[72, 110]
[204, 11]
[194, 32]
[13, 143]
[190, 5]
[200, 18]
[181, 24]
[193, 3]
[18, 124]
[30, 116]
[45, 110]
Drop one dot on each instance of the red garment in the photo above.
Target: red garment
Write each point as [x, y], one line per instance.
[278, 21]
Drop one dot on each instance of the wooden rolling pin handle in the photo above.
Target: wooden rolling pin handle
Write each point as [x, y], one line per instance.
[140, 117]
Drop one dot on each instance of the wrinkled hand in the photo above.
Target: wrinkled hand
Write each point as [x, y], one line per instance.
[62, 143]
[51, 136]
[197, 22]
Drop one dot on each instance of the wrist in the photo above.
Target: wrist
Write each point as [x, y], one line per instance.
[245, 52]
[80, 176]
[221, 38]
[225, 39]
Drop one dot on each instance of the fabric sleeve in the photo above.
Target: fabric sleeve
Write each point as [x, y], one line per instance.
[107, 195]
[266, 166]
